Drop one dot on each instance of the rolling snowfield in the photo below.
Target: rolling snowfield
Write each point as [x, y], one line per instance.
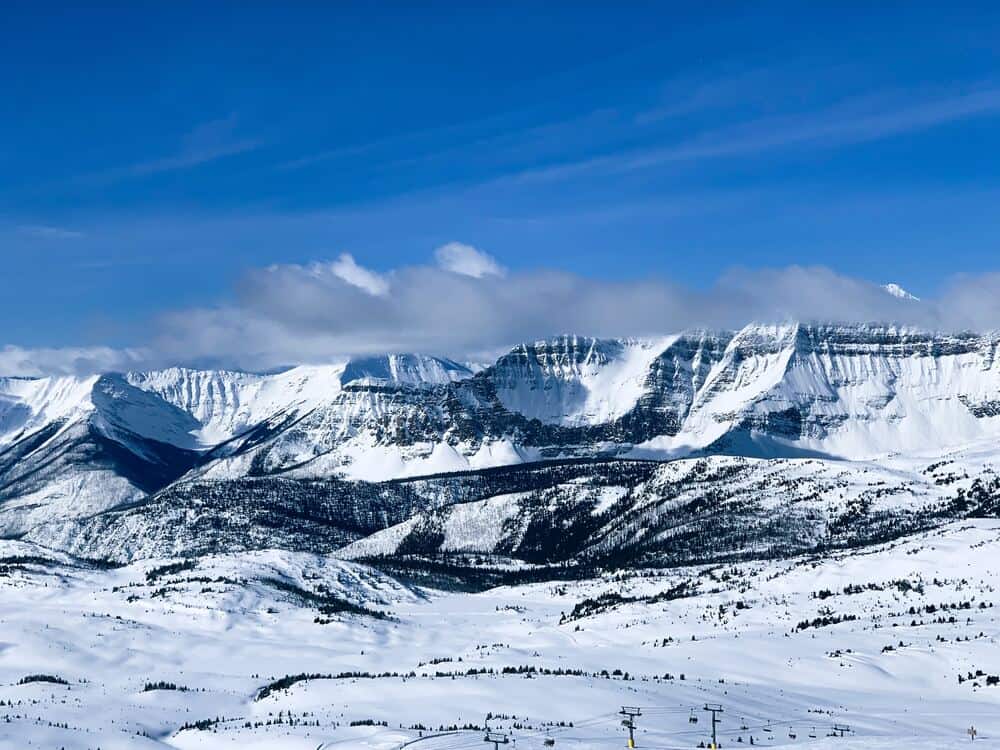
[896, 642]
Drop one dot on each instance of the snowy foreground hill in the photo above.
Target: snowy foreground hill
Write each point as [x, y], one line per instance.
[897, 644]
[797, 522]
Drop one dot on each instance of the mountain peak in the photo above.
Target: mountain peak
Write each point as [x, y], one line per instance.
[405, 369]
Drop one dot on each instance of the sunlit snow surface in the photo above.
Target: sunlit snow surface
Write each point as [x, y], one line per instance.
[230, 624]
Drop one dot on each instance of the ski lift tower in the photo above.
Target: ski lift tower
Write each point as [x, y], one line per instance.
[630, 713]
[716, 709]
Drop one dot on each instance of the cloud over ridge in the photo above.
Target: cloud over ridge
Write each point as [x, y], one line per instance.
[465, 304]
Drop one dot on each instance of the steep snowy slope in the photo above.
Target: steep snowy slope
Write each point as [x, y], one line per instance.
[74, 447]
[613, 394]
[852, 392]
[226, 404]
[71, 447]
[220, 404]
[574, 380]
[29, 404]
[405, 370]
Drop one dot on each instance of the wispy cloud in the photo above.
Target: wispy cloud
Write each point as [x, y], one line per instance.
[723, 87]
[357, 149]
[509, 131]
[859, 120]
[49, 232]
[333, 154]
[208, 142]
[183, 160]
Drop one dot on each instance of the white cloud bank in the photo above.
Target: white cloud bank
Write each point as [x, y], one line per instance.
[466, 305]
[35, 362]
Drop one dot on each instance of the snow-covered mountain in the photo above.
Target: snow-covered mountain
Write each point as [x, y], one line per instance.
[80, 455]
[72, 447]
[829, 391]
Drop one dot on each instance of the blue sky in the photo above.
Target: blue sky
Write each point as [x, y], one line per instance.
[155, 159]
